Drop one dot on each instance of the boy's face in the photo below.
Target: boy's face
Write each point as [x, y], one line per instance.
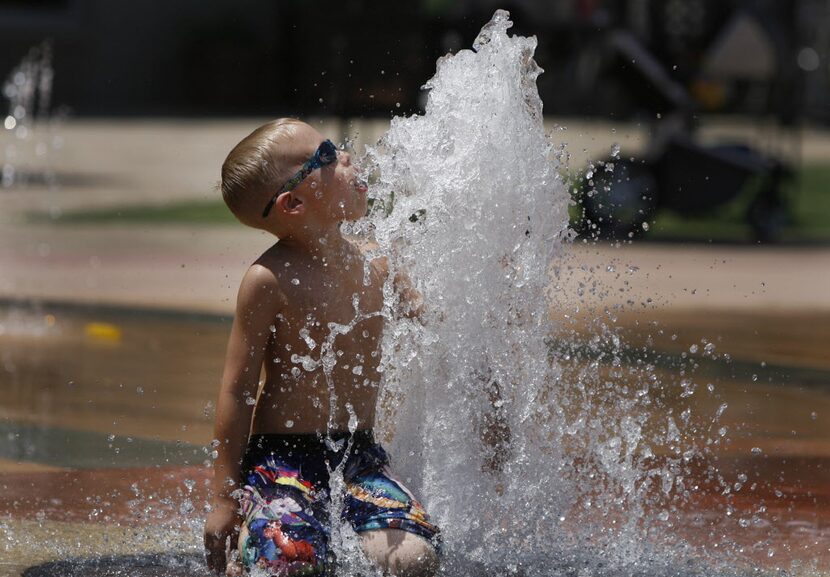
[332, 192]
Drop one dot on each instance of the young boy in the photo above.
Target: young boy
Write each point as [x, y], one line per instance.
[279, 444]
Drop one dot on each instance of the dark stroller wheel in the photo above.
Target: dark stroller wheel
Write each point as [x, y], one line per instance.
[620, 200]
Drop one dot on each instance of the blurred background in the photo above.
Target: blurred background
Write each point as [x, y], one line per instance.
[367, 58]
[741, 86]
[693, 135]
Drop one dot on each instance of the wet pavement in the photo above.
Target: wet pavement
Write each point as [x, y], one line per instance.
[112, 338]
[106, 414]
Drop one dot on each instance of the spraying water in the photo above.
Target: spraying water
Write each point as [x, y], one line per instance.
[522, 459]
[470, 206]
[29, 92]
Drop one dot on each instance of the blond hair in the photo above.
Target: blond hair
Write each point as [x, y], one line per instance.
[258, 162]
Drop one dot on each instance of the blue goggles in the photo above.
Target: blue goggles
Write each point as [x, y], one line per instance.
[325, 154]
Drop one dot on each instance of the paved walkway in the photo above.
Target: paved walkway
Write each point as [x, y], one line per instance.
[198, 269]
[121, 163]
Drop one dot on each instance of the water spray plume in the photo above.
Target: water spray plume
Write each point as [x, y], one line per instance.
[525, 450]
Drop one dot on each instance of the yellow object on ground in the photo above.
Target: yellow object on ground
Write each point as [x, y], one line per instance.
[103, 332]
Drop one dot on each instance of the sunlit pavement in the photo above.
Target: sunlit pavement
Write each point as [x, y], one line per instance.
[89, 513]
[86, 511]
[198, 268]
[104, 164]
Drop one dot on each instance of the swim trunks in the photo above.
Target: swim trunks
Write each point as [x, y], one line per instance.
[285, 501]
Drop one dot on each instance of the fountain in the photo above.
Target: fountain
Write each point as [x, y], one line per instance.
[531, 443]
[29, 91]
[546, 436]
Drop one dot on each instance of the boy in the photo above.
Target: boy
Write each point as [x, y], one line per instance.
[280, 443]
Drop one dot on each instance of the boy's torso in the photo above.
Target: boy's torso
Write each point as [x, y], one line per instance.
[324, 344]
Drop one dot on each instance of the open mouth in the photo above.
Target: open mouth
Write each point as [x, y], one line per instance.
[361, 186]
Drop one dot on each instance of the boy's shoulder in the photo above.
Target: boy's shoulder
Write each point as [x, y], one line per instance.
[263, 282]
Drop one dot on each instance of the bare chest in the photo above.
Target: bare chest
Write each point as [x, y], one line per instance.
[332, 323]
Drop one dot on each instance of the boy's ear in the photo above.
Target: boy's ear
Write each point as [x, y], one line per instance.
[290, 203]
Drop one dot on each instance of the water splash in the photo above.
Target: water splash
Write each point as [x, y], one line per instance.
[521, 438]
[344, 542]
[469, 204]
[28, 89]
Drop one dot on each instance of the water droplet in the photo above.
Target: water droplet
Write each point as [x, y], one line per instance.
[306, 336]
[250, 401]
[645, 226]
[289, 424]
[352, 418]
[295, 281]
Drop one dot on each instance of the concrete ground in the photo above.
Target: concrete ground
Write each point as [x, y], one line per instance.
[197, 268]
[126, 163]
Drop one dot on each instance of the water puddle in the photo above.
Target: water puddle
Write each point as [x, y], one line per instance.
[65, 393]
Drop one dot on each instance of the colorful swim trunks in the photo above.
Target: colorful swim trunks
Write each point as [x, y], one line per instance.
[286, 499]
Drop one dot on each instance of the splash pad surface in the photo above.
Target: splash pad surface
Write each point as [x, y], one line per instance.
[152, 506]
[774, 512]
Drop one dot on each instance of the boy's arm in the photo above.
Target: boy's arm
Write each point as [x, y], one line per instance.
[412, 301]
[258, 303]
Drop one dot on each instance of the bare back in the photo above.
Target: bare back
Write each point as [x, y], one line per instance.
[320, 344]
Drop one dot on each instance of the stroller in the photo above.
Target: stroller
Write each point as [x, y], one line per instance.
[677, 171]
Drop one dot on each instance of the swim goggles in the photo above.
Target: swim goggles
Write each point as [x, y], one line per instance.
[325, 154]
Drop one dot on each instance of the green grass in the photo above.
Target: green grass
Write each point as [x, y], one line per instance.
[185, 212]
[808, 197]
[811, 200]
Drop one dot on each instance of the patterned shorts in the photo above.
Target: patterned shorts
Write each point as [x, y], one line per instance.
[285, 501]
